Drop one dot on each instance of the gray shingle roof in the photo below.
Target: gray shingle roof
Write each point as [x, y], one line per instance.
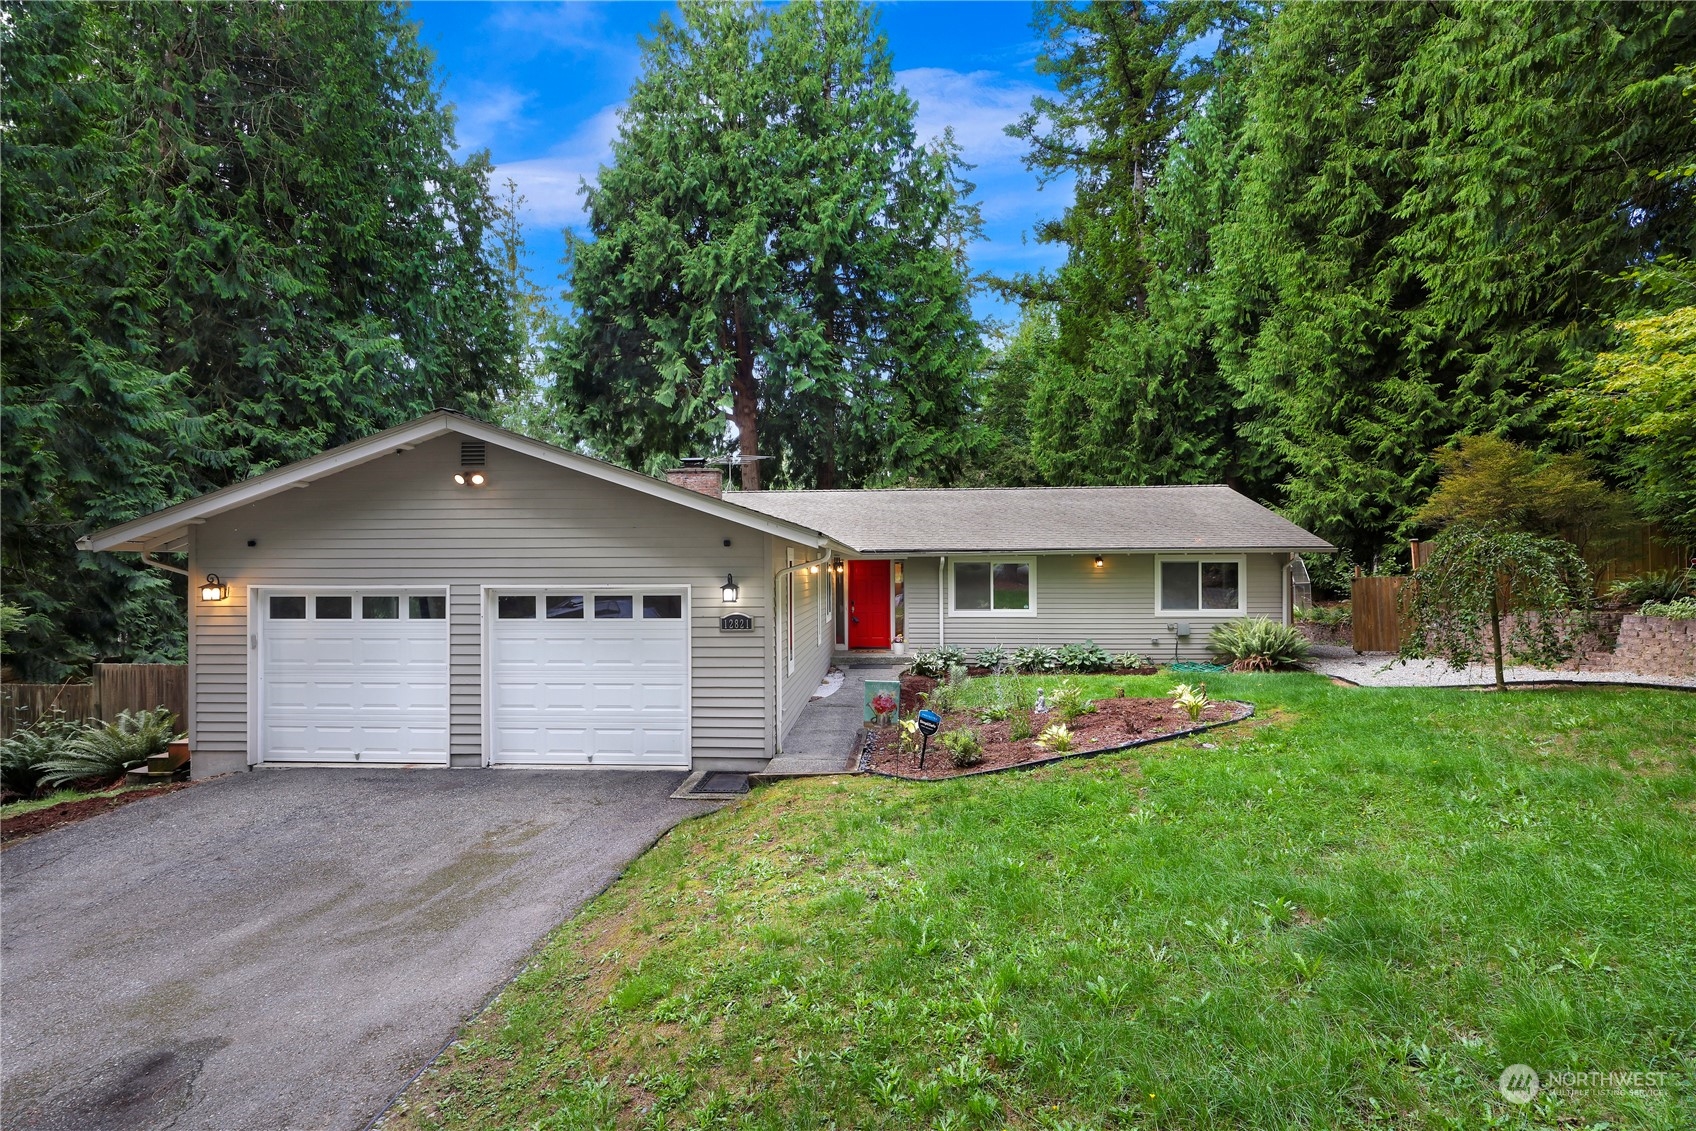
[1031, 519]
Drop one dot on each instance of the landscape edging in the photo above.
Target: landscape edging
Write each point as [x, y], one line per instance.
[1247, 713]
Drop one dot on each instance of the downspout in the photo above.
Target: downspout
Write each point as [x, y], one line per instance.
[1289, 582]
[778, 627]
[147, 558]
[941, 601]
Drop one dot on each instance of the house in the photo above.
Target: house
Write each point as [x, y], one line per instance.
[447, 593]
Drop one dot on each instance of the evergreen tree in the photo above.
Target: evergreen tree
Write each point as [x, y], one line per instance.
[773, 250]
[235, 235]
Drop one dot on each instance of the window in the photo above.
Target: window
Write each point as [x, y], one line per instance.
[516, 606]
[898, 573]
[565, 607]
[288, 608]
[614, 608]
[662, 606]
[988, 588]
[1195, 586]
[427, 608]
[333, 608]
[380, 608]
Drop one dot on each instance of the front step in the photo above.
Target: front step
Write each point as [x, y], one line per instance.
[160, 767]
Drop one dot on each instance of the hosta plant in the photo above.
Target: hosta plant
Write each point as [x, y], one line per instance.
[910, 737]
[1191, 700]
[1131, 660]
[1086, 657]
[1036, 659]
[1055, 738]
[1682, 609]
[995, 658]
[1258, 644]
[963, 746]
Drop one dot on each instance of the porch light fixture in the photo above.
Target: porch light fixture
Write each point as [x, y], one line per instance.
[468, 477]
[815, 568]
[1099, 562]
[214, 589]
[730, 589]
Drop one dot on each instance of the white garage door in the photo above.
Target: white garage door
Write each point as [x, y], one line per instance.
[354, 677]
[589, 677]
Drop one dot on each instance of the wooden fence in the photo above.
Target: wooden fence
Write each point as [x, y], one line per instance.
[1375, 611]
[115, 688]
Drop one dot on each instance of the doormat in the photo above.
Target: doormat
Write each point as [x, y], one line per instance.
[722, 781]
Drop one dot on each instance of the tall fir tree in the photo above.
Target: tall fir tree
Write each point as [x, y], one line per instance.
[236, 234]
[777, 261]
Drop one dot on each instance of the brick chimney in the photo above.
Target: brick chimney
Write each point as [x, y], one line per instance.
[696, 476]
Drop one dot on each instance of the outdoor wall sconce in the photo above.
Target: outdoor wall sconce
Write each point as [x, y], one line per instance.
[1099, 561]
[815, 568]
[214, 589]
[730, 589]
[470, 477]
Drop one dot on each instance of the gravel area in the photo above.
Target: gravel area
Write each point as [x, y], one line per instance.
[1385, 669]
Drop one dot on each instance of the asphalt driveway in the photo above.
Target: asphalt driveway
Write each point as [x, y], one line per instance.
[287, 948]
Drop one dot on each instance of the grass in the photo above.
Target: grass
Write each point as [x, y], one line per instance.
[57, 797]
[1353, 911]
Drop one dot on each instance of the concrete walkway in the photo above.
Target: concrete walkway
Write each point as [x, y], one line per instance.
[822, 739]
[1385, 669]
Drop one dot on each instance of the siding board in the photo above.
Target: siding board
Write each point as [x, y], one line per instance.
[402, 521]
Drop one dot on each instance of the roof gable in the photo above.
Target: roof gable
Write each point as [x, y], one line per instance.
[167, 529]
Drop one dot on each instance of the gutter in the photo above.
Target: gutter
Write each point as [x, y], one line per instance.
[147, 558]
[777, 633]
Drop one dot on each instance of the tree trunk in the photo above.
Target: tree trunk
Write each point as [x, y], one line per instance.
[1496, 637]
[745, 406]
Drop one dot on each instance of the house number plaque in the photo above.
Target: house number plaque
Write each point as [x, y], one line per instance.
[736, 622]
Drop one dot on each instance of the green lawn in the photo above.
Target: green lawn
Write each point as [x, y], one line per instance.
[57, 797]
[1355, 911]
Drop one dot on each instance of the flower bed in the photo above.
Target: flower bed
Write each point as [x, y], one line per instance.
[1113, 725]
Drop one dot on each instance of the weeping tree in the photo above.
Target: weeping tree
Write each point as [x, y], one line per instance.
[1477, 574]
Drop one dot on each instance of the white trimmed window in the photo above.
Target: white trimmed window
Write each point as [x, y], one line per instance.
[994, 588]
[1200, 585]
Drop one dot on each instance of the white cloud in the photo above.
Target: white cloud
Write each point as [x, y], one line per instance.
[488, 111]
[978, 104]
[550, 182]
[571, 27]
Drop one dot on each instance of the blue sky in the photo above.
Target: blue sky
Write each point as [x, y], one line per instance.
[540, 85]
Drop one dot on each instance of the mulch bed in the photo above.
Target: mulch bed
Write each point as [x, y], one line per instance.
[39, 821]
[1113, 725]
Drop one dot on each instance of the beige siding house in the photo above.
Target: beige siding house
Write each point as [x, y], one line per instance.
[450, 594]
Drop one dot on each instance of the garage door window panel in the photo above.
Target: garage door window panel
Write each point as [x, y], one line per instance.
[520, 606]
[427, 607]
[615, 607]
[662, 606]
[288, 608]
[385, 607]
[565, 607]
[333, 607]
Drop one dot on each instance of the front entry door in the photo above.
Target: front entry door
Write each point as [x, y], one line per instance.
[868, 604]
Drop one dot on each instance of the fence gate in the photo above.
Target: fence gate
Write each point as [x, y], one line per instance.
[1376, 612]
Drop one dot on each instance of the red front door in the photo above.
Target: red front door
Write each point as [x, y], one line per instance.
[868, 604]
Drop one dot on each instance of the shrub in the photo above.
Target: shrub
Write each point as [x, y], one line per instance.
[1068, 701]
[1662, 586]
[1036, 659]
[1330, 616]
[1682, 609]
[24, 756]
[963, 746]
[1056, 738]
[945, 696]
[994, 658]
[1131, 660]
[994, 713]
[1086, 657]
[1019, 726]
[909, 731]
[929, 664]
[1192, 700]
[103, 753]
[1258, 644]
